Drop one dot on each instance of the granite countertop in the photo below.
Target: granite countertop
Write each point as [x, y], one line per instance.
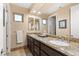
[71, 50]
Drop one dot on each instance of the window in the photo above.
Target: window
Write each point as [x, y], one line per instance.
[18, 17]
[44, 21]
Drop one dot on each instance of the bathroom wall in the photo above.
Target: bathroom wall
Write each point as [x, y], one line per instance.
[15, 26]
[61, 14]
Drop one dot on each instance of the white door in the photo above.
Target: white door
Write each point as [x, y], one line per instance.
[1, 29]
[75, 21]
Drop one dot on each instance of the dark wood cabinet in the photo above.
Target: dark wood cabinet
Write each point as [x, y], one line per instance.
[43, 53]
[36, 50]
[50, 51]
[40, 49]
[30, 44]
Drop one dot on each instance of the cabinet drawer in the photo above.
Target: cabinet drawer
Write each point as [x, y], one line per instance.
[35, 54]
[43, 53]
[36, 49]
[50, 51]
[32, 47]
[37, 43]
[30, 38]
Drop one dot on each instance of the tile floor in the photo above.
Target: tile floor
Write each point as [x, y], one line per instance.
[20, 52]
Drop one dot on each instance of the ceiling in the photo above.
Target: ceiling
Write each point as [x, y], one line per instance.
[44, 8]
[25, 5]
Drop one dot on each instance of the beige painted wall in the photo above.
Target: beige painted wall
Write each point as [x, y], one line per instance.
[15, 26]
[61, 14]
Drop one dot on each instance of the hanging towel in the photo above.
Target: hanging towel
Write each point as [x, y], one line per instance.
[19, 36]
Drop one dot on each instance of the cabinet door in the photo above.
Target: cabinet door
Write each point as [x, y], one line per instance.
[43, 53]
[31, 45]
[28, 43]
[37, 43]
[50, 51]
[37, 47]
[36, 50]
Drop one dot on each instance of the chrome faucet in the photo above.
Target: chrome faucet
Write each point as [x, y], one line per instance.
[70, 38]
[61, 38]
[65, 38]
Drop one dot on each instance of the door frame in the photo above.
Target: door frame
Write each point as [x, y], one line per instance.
[8, 29]
[50, 18]
[1, 30]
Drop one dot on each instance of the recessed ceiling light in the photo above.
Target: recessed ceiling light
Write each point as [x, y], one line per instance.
[39, 12]
[34, 11]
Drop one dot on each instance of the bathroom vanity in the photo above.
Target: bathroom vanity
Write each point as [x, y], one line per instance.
[39, 48]
[46, 46]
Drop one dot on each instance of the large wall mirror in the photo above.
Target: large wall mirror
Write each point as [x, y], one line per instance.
[33, 24]
[37, 24]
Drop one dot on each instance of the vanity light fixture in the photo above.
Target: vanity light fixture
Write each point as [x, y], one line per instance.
[35, 12]
[38, 13]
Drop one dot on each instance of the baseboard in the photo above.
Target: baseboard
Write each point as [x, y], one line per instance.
[21, 47]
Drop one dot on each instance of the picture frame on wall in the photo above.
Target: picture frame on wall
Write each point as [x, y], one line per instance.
[63, 24]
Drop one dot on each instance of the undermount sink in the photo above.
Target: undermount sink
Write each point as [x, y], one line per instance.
[42, 35]
[59, 42]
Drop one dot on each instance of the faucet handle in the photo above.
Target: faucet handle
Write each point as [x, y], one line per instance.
[59, 37]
